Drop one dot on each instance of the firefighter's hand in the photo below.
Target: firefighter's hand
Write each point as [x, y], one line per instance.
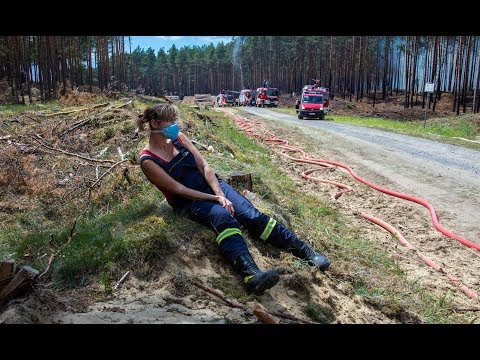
[227, 204]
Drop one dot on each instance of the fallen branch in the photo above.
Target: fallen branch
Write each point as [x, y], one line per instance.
[83, 122]
[199, 143]
[220, 295]
[466, 309]
[50, 260]
[108, 171]
[66, 152]
[72, 111]
[261, 313]
[122, 279]
[79, 124]
[290, 317]
[123, 105]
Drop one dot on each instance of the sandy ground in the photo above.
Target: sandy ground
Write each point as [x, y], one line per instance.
[453, 192]
[172, 298]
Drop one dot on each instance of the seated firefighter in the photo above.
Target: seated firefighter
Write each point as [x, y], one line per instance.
[172, 163]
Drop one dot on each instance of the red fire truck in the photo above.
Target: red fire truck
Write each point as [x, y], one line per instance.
[244, 97]
[314, 102]
[267, 96]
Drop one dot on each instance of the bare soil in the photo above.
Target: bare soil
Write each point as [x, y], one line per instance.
[172, 297]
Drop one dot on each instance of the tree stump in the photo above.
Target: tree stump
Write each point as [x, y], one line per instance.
[241, 180]
[12, 286]
[6, 271]
[6, 268]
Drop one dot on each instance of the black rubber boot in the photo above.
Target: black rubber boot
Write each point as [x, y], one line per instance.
[257, 281]
[303, 251]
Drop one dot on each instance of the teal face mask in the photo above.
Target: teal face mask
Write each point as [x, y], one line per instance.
[170, 132]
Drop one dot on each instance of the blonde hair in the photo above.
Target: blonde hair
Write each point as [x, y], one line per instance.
[157, 112]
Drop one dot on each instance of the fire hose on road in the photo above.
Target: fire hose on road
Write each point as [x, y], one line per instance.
[397, 235]
[249, 127]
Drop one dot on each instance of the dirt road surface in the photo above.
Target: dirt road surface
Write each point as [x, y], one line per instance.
[447, 176]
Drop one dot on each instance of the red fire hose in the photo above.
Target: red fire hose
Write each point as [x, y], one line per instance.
[397, 235]
[248, 126]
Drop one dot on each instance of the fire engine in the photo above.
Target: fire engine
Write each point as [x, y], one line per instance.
[314, 102]
[244, 97]
[267, 96]
[227, 98]
[221, 100]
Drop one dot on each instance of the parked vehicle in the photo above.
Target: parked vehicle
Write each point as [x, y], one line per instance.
[253, 98]
[221, 100]
[244, 97]
[311, 106]
[232, 97]
[267, 96]
[227, 98]
[326, 98]
[314, 102]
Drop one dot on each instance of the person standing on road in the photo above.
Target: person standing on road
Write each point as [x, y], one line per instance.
[172, 163]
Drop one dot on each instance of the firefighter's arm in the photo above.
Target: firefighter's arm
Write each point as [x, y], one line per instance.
[160, 178]
[206, 171]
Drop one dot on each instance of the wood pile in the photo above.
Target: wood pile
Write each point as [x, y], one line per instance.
[172, 98]
[203, 100]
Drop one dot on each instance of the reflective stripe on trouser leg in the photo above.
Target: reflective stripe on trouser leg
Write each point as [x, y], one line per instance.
[282, 237]
[229, 238]
[232, 244]
[268, 229]
[226, 233]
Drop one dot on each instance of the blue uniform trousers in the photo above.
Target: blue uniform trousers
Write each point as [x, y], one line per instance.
[226, 227]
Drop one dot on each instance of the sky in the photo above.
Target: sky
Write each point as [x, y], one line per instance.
[157, 42]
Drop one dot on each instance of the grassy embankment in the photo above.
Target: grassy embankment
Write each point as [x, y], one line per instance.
[124, 223]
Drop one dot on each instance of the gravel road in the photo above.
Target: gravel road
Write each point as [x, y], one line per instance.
[447, 176]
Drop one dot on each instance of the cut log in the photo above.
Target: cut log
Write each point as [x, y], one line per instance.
[18, 284]
[203, 100]
[4, 282]
[6, 268]
[241, 180]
